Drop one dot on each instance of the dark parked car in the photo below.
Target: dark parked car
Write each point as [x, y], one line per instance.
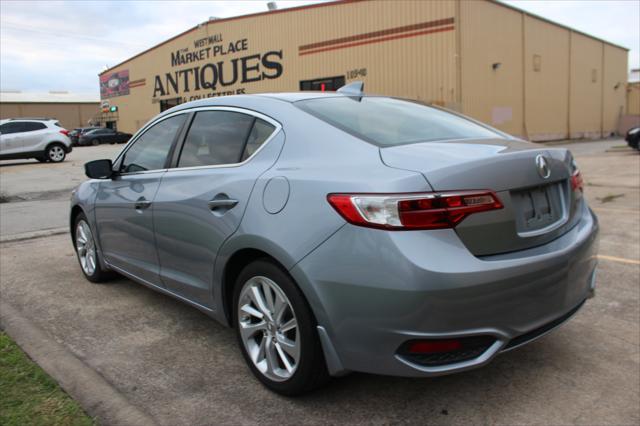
[633, 138]
[103, 135]
[75, 134]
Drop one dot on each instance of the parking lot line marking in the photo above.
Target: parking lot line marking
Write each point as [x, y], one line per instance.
[619, 259]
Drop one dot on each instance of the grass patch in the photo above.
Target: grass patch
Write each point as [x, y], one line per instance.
[28, 396]
[609, 197]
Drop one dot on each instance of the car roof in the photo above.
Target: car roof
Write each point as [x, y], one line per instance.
[30, 119]
[301, 96]
[254, 100]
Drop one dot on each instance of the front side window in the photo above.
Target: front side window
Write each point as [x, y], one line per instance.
[9, 128]
[216, 138]
[388, 122]
[150, 151]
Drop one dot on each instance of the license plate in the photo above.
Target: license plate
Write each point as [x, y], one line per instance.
[537, 208]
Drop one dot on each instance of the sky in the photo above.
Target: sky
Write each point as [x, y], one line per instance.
[63, 45]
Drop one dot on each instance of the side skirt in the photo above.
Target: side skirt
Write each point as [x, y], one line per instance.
[210, 312]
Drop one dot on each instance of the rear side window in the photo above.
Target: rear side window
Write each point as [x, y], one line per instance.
[32, 126]
[216, 138]
[259, 134]
[57, 123]
[150, 151]
[388, 122]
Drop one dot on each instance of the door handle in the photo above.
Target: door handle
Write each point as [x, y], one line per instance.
[226, 203]
[142, 203]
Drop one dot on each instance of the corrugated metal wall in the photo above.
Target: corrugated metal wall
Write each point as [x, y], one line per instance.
[546, 57]
[70, 115]
[633, 99]
[585, 112]
[613, 88]
[548, 82]
[399, 48]
[522, 74]
[492, 66]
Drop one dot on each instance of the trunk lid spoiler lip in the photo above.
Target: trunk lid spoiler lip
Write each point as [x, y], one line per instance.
[473, 163]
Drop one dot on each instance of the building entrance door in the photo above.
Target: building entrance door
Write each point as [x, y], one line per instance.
[169, 103]
[327, 84]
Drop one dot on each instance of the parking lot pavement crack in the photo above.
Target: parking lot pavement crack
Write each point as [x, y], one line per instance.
[37, 196]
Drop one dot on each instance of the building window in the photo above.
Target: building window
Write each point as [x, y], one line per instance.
[327, 84]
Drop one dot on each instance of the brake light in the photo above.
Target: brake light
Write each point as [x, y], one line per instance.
[432, 210]
[64, 132]
[576, 181]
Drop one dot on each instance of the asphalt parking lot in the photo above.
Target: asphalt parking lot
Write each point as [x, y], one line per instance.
[36, 195]
[180, 367]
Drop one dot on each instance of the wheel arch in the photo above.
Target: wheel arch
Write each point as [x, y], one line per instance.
[243, 257]
[56, 142]
[244, 249]
[75, 212]
[233, 267]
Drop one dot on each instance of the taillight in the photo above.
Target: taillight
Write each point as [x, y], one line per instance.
[576, 181]
[432, 210]
[576, 178]
[64, 132]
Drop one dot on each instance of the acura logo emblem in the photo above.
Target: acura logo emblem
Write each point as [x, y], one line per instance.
[543, 168]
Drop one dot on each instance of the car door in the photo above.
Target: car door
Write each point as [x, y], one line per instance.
[10, 137]
[123, 206]
[33, 138]
[109, 136]
[201, 201]
[101, 134]
[121, 137]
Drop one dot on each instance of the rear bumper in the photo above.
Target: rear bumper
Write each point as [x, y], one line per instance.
[373, 290]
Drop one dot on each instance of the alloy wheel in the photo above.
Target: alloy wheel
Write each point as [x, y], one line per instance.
[56, 153]
[85, 247]
[268, 328]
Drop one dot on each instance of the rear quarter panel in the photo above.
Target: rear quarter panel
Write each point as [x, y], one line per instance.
[317, 159]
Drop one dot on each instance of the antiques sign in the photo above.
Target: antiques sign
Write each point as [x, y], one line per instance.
[214, 65]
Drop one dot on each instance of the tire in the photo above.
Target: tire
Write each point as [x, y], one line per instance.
[55, 153]
[94, 274]
[276, 366]
[95, 142]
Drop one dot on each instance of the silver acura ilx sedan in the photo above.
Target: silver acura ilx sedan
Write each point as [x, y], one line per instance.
[343, 232]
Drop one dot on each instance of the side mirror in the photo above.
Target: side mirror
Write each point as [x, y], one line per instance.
[99, 169]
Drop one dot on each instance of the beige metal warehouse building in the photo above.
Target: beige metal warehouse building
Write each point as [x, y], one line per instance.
[71, 109]
[518, 72]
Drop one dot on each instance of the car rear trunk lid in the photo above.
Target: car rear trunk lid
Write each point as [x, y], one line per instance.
[539, 203]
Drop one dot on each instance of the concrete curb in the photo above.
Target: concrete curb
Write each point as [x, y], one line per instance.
[33, 234]
[98, 398]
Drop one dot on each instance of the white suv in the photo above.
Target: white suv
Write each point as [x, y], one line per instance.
[41, 138]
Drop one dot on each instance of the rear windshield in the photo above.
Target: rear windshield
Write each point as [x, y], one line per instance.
[388, 121]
